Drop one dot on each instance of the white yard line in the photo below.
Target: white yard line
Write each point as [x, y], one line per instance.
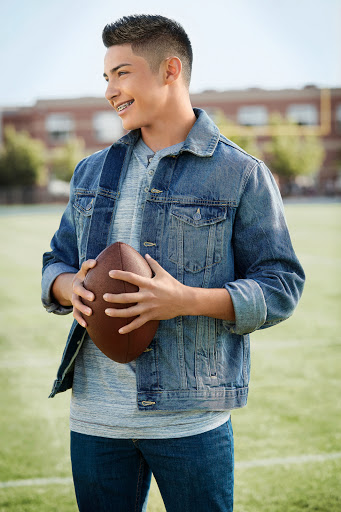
[300, 459]
[283, 461]
[36, 481]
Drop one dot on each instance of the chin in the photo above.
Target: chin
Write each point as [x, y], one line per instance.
[130, 124]
[129, 127]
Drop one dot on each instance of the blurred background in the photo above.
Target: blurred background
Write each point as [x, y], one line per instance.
[269, 74]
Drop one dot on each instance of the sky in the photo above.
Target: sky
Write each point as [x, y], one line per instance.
[53, 49]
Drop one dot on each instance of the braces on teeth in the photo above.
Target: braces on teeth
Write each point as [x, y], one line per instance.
[121, 107]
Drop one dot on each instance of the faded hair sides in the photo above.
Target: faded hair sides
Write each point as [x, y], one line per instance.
[153, 37]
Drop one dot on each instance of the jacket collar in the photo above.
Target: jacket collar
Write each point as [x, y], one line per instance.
[201, 140]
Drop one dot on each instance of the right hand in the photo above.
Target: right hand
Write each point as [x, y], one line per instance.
[79, 292]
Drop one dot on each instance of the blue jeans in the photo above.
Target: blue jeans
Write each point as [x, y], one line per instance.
[194, 473]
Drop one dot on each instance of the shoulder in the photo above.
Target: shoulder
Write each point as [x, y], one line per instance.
[235, 152]
[92, 161]
[87, 172]
[243, 166]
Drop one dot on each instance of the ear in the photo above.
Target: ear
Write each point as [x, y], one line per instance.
[172, 69]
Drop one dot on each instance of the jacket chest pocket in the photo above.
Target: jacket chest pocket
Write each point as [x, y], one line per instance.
[196, 236]
[83, 210]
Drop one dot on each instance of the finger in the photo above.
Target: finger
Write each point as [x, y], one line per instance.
[129, 277]
[123, 298]
[88, 264]
[78, 289]
[77, 316]
[154, 265]
[124, 312]
[135, 324]
[78, 304]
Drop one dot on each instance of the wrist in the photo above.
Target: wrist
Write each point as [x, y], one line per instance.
[212, 302]
[191, 301]
[62, 289]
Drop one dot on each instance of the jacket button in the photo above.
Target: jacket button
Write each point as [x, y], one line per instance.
[197, 215]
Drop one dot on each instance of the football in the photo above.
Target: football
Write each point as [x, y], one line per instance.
[102, 329]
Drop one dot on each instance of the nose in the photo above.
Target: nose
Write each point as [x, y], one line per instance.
[111, 91]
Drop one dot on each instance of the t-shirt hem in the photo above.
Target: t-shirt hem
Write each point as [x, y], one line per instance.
[177, 431]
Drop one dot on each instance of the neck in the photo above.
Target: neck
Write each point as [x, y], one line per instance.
[172, 127]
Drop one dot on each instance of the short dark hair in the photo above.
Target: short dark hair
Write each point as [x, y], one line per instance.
[154, 37]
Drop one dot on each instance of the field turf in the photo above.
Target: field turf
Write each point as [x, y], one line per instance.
[288, 438]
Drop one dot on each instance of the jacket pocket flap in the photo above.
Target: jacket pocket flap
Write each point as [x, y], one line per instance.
[84, 203]
[200, 215]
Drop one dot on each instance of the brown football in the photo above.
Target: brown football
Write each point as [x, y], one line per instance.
[102, 329]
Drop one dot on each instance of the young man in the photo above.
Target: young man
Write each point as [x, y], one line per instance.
[210, 218]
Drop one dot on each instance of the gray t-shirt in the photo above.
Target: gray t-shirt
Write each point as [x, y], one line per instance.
[104, 398]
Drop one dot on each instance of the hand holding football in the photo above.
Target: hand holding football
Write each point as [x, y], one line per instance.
[102, 328]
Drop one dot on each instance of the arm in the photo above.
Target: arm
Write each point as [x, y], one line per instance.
[163, 297]
[212, 302]
[61, 277]
[269, 279]
[68, 290]
[61, 260]
[61, 290]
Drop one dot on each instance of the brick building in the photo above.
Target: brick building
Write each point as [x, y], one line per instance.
[55, 121]
[314, 110]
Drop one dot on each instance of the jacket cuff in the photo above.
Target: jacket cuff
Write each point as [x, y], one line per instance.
[249, 306]
[50, 274]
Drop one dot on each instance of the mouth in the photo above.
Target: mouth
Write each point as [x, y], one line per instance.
[123, 106]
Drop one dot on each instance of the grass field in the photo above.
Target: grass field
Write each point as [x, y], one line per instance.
[294, 410]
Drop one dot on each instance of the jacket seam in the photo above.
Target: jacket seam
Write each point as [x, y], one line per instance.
[231, 144]
[247, 175]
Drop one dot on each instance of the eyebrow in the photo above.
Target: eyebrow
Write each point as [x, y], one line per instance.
[113, 70]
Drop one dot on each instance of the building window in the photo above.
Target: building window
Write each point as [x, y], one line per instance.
[59, 127]
[252, 115]
[338, 118]
[107, 126]
[303, 114]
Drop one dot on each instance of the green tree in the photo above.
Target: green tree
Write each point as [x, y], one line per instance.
[248, 141]
[65, 159]
[292, 154]
[22, 159]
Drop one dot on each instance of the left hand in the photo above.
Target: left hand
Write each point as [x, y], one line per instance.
[159, 298]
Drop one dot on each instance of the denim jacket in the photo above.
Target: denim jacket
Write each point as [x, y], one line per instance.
[213, 218]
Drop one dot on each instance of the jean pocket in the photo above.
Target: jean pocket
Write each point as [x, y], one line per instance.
[196, 236]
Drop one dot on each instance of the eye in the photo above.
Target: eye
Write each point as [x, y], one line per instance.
[120, 73]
